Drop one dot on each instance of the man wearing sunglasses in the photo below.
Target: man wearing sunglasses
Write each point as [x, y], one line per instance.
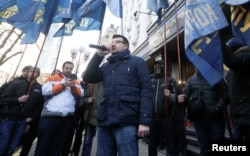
[124, 114]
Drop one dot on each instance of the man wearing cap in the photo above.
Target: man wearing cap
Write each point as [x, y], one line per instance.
[236, 56]
[23, 76]
[21, 103]
[160, 116]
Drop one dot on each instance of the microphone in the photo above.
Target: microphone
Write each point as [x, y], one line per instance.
[98, 47]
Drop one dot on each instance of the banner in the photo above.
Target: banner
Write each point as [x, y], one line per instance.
[203, 19]
[91, 19]
[240, 22]
[63, 12]
[6, 3]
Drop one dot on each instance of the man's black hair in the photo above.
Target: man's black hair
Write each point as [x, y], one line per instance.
[27, 68]
[67, 62]
[125, 40]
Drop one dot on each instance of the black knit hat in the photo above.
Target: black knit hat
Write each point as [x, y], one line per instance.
[159, 62]
[235, 43]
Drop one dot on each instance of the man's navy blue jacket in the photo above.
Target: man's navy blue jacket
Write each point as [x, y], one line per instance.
[127, 92]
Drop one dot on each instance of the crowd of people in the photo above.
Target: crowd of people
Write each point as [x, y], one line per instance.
[121, 102]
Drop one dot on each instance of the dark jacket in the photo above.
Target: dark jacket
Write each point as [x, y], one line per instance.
[159, 104]
[93, 108]
[212, 102]
[11, 108]
[6, 84]
[238, 84]
[127, 90]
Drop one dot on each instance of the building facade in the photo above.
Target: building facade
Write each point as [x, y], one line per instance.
[165, 41]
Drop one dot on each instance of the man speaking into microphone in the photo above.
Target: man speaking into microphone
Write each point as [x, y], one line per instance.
[125, 111]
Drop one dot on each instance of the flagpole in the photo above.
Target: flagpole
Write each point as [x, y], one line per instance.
[165, 72]
[181, 82]
[20, 60]
[40, 52]
[59, 50]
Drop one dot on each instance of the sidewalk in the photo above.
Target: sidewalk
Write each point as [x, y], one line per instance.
[143, 150]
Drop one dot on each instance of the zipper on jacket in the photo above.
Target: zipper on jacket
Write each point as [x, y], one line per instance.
[156, 95]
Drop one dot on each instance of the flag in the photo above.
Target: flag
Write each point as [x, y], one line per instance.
[6, 3]
[84, 9]
[26, 11]
[41, 21]
[50, 11]
[92, 19]
[6, 13]
[236, 2]
[115, 7]
[63, 12]
[240, 22]
[202, 43]
[21, 10]
[156, 6]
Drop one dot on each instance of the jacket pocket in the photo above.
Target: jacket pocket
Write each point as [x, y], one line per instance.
[102, 111]
[129, 107]
[240, 106]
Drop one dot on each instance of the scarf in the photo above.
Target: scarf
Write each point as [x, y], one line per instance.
[119, 56]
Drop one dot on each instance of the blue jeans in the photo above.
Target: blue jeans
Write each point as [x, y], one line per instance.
[208, 131]
[121, 140]
[237, 133]
[11, 132]
[87, 144]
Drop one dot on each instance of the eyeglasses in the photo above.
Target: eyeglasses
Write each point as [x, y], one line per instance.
[116, 42]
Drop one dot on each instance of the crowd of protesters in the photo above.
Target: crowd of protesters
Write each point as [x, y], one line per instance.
[121, 102]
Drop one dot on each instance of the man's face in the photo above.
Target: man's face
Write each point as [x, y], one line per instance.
[67, 69]
[35, 75]
[157, 68]
[118, 45]
[25, 73]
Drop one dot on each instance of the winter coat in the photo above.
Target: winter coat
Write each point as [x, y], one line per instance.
[6, 84]
[212, 102]
[159, 104]
[238, 79]
[93, 108]
[13, 109]
[127, 90]
[60, 101]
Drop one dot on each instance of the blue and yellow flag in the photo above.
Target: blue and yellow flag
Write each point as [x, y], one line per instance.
[31, 17]
[203, 19]
[26, 11]
[6, 13]
[156, 6]
[63, 12]
[89, 19]
[240, 23]
[6, 3]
